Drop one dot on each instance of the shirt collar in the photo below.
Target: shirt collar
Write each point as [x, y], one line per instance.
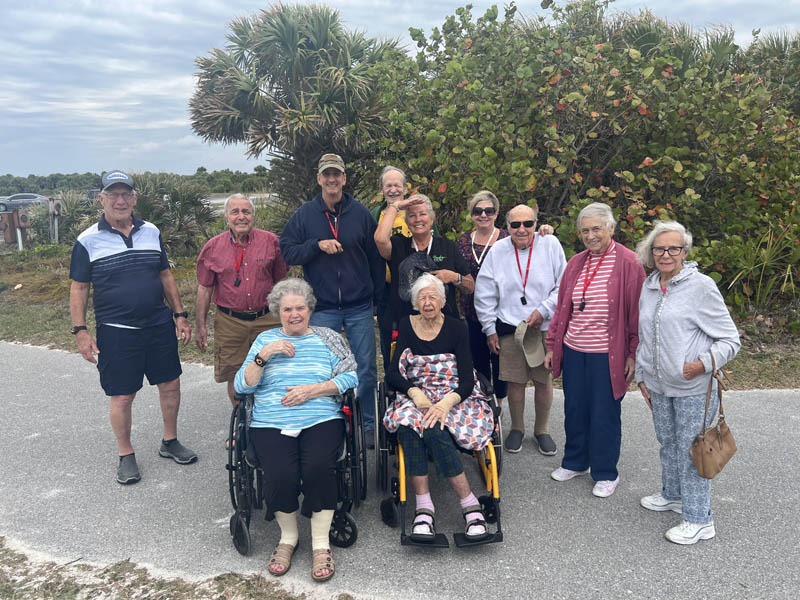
[104, 225]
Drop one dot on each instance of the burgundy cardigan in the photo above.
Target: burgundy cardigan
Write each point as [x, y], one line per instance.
[624, 287]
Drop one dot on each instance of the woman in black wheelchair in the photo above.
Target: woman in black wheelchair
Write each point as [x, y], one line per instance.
[438, 405]
[297, 426]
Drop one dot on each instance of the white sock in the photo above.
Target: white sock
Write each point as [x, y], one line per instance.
[320, 528]
[288, 524]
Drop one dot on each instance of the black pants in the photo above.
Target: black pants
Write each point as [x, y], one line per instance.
[304, 464]
[485, 362]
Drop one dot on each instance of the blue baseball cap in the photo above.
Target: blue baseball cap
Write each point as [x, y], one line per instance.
[114, 177]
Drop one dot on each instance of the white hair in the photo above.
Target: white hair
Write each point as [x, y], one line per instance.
[424, 281]
[597, 209]
[388, 169]
[239, 197]
[644, 249]
[290, 287]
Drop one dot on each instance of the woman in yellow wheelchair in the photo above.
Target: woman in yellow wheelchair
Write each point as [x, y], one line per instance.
[438, 405]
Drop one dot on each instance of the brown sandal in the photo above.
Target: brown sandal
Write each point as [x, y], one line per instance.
[322, 559]
[282, 555]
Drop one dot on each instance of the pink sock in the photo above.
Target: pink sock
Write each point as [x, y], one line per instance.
[471, 500]
[424, 501]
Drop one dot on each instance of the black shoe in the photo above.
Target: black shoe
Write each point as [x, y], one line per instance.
[128, 471]
[546, 444]
[177, 452]
[514, 441]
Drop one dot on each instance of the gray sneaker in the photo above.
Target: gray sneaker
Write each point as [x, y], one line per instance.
[128, 471]
[514, 441]
[546, 444]
[177, 452]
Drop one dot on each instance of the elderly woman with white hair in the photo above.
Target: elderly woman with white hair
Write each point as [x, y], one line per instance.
[297, 425]
[684, 330]
[592, 340]
[438, 404]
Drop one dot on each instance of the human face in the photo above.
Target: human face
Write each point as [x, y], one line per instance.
[667, 265]
[483, 220]
[429, 302]
[522, 236]
[595, 235]
[118, 202]
[419, 221]
[331, 181]
[392, 187]
[240, 217]
[294, 315]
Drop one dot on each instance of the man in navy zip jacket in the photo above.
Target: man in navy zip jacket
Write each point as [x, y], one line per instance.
[332, 238]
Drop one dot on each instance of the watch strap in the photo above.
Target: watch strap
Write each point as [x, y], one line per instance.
[183, 314]
[259, 361]
[77, 328]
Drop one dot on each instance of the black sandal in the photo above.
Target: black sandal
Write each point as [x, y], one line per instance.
[423, 537]
[479, 521]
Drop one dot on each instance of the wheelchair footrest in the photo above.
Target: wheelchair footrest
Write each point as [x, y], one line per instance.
[438, 541]
[461, 540]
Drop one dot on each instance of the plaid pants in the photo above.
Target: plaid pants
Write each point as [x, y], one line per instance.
[436, 443]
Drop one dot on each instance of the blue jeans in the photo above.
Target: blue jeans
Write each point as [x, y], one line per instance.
[359, 327]
[677, 421]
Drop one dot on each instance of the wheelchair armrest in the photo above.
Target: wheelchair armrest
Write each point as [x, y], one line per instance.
[246, 398]
[348, 398]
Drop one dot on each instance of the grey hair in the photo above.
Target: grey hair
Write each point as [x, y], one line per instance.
[423, 281]
[597, 209]
[386, 170]
[427, 202]
[239, 197]
[290, 287]
[482, 196]
[644, 249]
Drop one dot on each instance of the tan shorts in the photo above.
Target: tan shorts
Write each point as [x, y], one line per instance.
[232, 340]
[513, 366]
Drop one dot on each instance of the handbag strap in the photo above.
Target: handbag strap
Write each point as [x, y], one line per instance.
[720, 386]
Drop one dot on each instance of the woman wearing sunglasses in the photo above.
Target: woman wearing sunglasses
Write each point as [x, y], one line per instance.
[474, 246]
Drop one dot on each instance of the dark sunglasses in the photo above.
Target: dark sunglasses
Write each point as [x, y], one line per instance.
[488, 211]
[517, 224]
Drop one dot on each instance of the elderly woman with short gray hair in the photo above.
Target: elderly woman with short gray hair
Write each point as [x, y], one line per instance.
[683, 323]
[297, 424]
[592, 340]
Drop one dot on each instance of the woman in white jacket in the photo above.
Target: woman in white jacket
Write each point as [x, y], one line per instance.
[682, 321]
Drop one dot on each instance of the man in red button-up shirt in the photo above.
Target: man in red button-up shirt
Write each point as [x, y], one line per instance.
[238, 268]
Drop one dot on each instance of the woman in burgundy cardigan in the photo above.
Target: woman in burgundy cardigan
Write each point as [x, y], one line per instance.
[592, 339]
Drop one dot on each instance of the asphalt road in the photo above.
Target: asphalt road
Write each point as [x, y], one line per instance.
[58, 496]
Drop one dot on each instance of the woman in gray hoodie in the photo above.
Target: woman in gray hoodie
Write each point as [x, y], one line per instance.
[682, 321]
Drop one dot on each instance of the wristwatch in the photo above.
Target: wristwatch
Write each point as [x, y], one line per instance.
[76, 328]
[183, 314]
[259, 361]
[460, 279]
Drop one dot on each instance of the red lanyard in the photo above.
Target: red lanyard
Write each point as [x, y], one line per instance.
[587, 279]
[237, 264]
[527, 271]
[334, 230]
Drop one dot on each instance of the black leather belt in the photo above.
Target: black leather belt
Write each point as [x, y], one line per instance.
[243, 316]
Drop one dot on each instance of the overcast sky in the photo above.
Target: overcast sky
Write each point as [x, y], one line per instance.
[88, 85]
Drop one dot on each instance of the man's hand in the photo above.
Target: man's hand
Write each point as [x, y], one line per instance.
[86, 346]
[183, 329]
[493, 341]
[330, 246]
[535, 319]
[548, 360]
[201, 337]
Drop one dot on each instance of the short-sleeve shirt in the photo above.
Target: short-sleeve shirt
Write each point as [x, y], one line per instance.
[125, 273]
[261, 266]
[445, 256]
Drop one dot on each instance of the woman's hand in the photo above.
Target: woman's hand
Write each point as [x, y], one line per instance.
[693, 369]
[548, 360]
[280, 347]
[298, 394]
[546, 230]
[435, 414]
[646, 394]
[446, 276]
[405, 203]
[630, 369]
[419, 399]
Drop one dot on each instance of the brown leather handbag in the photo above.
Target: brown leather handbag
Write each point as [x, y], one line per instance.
[713, 447]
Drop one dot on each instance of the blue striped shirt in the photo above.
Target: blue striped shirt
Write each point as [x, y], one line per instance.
[313, 362]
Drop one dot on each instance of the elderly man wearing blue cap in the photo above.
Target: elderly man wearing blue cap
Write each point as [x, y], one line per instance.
[121, 257]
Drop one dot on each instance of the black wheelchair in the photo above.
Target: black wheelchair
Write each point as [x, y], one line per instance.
[393, 509]
[245, 477]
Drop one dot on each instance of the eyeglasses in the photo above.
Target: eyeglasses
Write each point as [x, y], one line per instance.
[488, 211]
[125, 195]
[671, 250]
[525, 224]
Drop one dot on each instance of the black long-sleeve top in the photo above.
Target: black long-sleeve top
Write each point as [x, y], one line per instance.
[453, 338]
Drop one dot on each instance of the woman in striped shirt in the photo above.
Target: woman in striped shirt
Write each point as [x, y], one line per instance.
[297, 424]
[593, 339]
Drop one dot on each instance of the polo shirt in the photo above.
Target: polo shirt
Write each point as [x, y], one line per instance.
[125, 273]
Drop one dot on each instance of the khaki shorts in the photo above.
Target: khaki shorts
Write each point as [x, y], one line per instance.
[513, 366]
[232, 340]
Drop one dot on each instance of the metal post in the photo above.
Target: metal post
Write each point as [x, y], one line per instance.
[19, 239]
[55, 227]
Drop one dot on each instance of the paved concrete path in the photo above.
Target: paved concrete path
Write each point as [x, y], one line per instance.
[58, 496]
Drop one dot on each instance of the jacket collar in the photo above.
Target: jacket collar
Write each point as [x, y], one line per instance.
[343, 204]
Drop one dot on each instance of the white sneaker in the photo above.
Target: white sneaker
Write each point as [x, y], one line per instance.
[658, 503]
[562, 474]
[605, 487]
[690, 533]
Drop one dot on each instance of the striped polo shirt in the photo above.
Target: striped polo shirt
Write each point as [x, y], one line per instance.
[588, 329]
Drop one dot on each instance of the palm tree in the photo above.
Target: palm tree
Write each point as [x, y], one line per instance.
[776, 57]
[294, 84]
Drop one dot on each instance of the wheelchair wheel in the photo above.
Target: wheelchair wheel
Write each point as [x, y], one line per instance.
[361, 455]
[240, 533]
[344, 531]
[239, 473]
[489, 508]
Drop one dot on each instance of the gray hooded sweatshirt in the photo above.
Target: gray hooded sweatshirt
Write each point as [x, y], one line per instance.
[679, 326]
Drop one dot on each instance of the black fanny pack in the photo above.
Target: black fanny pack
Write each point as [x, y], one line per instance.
[504, 328]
